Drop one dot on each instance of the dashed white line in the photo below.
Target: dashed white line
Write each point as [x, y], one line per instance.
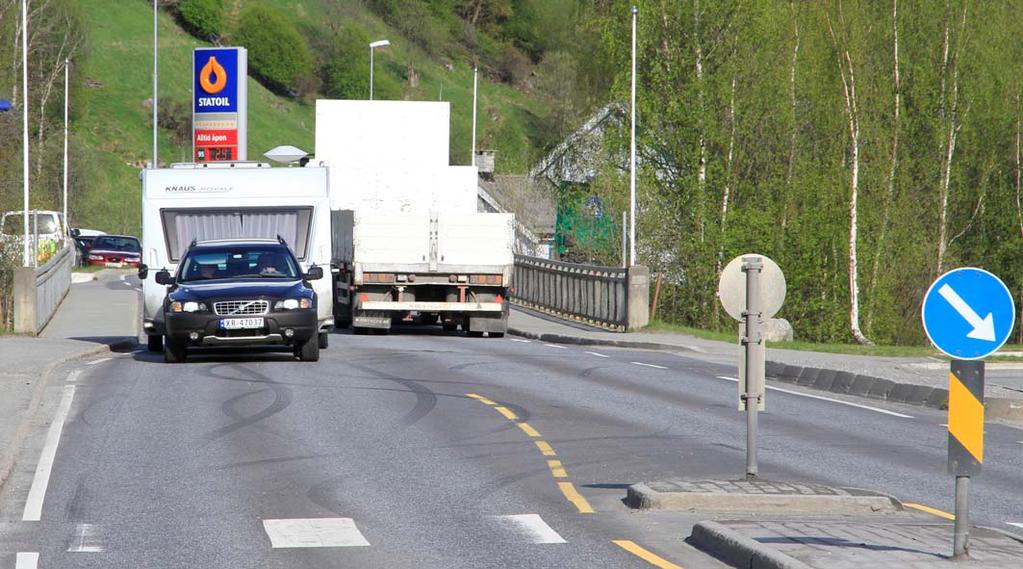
[314, 532]
[85, 540]
[26, 560]
[99, 361]
[596, 354]
[555, 346]
[648, 365]
[1015, 524]
[519, 340]
[73, 376]
[532, 527]
[126, 283]
[839, 401]
[36, 494]
[123, 277]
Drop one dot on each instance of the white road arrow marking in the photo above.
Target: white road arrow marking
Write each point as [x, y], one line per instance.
[983, 328]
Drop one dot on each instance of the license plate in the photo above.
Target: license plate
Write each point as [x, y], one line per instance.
[115, 265]
[241, 323]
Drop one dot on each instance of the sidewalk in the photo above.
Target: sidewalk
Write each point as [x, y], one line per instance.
[919, 381]
[95, 317]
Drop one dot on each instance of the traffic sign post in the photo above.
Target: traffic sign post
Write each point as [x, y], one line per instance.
[951, 314]
[751, 289]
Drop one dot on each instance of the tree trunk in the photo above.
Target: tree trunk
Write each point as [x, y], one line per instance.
[847, 72]
[701, 172]
[953, 127]
[1019, 209]
[726, 192]
[795, 125]
[890, 196]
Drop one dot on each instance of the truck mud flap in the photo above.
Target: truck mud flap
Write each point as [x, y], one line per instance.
[492, 323]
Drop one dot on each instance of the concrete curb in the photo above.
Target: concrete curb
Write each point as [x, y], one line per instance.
[641, 496]
[738, 550]
[9, 453]
[580, 341]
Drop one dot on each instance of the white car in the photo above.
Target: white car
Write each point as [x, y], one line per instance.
[48, 225]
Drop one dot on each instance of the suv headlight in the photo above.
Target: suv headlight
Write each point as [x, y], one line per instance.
[188, 306]
[293, 304]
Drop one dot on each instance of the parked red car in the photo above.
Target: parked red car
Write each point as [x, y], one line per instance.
[115, 251]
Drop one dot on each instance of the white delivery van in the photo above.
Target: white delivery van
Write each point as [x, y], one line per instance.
[231, 200]
[407, 238]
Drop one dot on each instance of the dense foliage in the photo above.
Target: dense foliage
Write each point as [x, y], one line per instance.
[798, 130]
[278, 53]
[203, 18]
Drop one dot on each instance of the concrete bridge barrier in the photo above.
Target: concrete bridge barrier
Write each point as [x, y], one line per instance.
[39, 291]
[610, 297]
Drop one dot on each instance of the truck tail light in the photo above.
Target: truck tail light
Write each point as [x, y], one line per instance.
[485, 279]
[378, 277]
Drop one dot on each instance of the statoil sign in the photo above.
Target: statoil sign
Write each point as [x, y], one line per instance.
[219, 104]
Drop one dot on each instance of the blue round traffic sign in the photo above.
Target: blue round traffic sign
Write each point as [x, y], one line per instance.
[968, 313]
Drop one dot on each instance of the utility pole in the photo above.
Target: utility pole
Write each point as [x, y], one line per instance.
[475, 78]
[156, 77]
[67, 84]
[632, 151]
[26, 256]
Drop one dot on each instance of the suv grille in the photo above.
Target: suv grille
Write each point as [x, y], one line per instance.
[241, 307]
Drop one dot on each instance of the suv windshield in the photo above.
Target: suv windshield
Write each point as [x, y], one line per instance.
[126, 244]
[255, 261]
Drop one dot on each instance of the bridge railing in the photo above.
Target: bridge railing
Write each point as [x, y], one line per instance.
[38, 291]
[609, 297]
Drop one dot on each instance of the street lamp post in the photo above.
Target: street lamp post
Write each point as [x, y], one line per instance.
[67, 84]
[26, 255]
[156, 76]
[632, 151]
[372, 46]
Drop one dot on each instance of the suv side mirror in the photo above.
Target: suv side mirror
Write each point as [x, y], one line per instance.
[143, 271]
[76, 233]
[164, 277]
[313, 274]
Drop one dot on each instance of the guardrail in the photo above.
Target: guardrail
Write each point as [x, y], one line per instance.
[609, 297]
[39, 291]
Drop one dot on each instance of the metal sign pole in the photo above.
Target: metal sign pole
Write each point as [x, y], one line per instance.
[752, 343]
[965, 442]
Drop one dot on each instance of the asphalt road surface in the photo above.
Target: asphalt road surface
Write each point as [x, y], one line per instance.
[420, 449]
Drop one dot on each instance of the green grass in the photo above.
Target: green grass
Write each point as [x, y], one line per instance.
[113, 138]
[853, 349]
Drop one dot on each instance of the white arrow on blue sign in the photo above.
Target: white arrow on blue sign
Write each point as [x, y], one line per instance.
[968, 313]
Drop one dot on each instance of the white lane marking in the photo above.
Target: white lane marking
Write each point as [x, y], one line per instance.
[73, 376]
[85, 540]
[26, 560]
[1016, 524]
[520, 340]
[99, 361]
[126, 283]
[532, 527]
[34, 504]
[124, 277]
[555, 346]
[648, 365]
[1020, 442]
[839, 401]
[596, 354]
[314, 532]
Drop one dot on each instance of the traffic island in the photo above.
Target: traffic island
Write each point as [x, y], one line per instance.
[850, 544]
[757, 496]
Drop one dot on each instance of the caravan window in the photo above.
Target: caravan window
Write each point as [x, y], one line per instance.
[182, 226]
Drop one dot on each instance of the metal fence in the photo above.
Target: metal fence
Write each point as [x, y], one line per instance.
[591, 294]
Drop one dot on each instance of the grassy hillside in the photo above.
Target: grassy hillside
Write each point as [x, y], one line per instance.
[114, 138]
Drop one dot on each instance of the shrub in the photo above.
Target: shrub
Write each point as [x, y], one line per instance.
[278, 54]
[202, 18]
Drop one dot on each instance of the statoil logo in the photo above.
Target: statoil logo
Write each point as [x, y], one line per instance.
[213, 76]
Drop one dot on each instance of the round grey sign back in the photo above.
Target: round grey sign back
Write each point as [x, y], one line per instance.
[732, 287]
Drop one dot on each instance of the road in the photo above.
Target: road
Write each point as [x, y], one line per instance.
[419, 449]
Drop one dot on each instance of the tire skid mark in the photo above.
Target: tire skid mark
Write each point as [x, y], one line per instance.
[426, 399]
[282, 397]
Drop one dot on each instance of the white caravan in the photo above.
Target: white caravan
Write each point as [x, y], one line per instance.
[408, 240]
[231, 200]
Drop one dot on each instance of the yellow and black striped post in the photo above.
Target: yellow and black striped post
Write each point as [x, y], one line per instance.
[965, 441]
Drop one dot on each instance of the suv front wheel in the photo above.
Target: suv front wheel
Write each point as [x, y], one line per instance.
[309, 351]
[173, 353]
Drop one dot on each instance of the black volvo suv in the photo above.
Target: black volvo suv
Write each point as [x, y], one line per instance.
[248, 292]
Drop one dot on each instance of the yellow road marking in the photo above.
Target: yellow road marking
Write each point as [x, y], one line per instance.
[965, 418]
[528, 429]
[544, 447]
[480, 398]
[930, 510]
[508, 413]
[557, 470]
[645, 555]
[577, 499]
